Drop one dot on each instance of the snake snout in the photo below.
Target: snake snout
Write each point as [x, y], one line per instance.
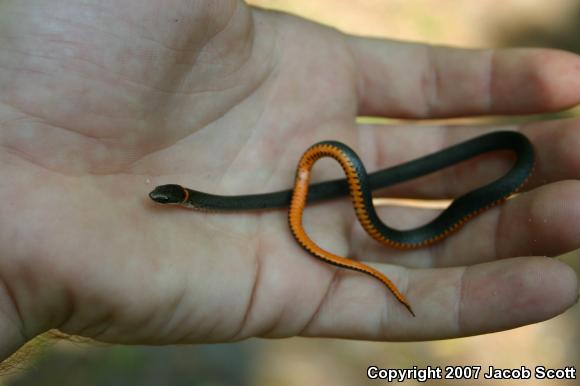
[168, 194]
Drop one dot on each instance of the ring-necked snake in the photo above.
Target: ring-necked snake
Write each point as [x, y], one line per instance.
[360, 185]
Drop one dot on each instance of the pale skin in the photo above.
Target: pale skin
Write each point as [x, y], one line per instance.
[102, 100]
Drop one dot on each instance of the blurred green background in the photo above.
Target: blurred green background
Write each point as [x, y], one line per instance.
[299, 361]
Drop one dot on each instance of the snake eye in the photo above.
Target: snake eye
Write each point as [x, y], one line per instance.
[168, 194]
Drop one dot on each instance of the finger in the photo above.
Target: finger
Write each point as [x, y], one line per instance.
[542, 222]
[11, 328]
[555, 145]
[407, 80]
[450, 302]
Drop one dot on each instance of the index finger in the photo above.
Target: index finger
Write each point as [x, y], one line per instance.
[409, 80]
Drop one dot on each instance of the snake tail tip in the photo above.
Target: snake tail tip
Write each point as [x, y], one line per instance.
[410, 310]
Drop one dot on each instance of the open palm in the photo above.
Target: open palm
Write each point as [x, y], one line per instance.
[100, 101]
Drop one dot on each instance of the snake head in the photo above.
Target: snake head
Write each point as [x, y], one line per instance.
[169, 194]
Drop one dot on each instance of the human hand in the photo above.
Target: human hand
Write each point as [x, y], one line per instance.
[103, 100]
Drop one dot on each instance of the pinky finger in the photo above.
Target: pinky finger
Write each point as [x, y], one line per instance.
[452, 302]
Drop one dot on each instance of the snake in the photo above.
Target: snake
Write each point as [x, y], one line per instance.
[360, 185]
